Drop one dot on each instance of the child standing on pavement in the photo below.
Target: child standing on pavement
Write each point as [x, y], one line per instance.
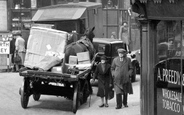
[103, 73]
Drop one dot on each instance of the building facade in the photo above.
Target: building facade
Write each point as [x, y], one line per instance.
[162, 55]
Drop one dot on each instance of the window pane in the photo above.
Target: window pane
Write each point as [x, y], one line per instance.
[168, 68]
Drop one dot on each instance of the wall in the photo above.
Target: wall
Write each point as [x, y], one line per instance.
[3, 29]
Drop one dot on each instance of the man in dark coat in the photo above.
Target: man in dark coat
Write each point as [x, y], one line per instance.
[12, 52]
[121, 70]
[103, 72]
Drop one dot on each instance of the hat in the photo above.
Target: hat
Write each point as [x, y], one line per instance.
[121, 50]
[103, 57]
[17, 33]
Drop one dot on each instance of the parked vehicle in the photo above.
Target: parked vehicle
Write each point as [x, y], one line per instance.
[47, 73]
[108, 47]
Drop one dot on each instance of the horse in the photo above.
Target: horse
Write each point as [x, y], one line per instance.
[80, 43]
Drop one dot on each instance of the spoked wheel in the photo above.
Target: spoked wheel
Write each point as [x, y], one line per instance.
[36, 96]
[24, 93]
[76, 100]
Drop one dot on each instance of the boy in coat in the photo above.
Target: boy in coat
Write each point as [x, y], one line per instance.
[121, 70]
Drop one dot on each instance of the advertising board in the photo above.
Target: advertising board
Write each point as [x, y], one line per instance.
[4, 47]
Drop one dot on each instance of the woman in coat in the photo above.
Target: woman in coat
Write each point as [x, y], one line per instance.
[121, 70]
[103, 72]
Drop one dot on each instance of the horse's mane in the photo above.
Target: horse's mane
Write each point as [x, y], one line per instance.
[74, 36]
[79, 43]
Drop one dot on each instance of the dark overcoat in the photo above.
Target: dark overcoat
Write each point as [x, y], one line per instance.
[121, 71]
[104, 79]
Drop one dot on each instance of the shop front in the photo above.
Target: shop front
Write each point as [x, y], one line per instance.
[169, 68]
[162, 55]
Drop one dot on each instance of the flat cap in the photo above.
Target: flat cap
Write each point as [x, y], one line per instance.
[121, 50]
[16, 33]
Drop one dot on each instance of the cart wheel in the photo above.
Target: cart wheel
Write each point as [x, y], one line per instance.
[36, 96]
[24, 93]
[76, 100]
[86, 92]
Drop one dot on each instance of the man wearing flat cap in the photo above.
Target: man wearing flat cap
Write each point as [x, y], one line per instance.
[121, 70]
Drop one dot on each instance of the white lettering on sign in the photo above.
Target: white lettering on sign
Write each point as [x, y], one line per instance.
[171, 100]
[4, 47]
[170, 76]
[169, 105]
[172, 95]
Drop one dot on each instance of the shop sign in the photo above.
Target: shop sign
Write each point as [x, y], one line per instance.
[169, 82]
[4, 47]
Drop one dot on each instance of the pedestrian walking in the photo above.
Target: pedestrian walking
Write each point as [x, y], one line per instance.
[135, 65]
[19, 49]
[103, 72]
[124, 34]
[113, 35]
[121, 70]
[12, 52]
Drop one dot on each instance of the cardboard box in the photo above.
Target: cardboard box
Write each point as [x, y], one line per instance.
[41, 41]
[56, 69]
[83, 57]
[73, 59]
[84, 62]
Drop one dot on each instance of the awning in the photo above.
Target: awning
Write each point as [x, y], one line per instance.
[59, 13]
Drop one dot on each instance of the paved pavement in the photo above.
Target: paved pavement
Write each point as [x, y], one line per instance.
[133, 103]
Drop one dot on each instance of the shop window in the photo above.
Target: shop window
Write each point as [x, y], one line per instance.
[169, 68]
[17, 4]
[168, 39]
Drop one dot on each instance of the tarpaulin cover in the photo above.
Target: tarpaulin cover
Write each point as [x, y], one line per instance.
[44, 43]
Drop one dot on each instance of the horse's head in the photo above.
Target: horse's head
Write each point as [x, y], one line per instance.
[74, 36]
[90, 34]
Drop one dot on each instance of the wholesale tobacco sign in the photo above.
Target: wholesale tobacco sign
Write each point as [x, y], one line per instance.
[170, 80]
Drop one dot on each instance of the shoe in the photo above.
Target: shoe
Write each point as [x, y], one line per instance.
[106, 105]
[126, 105]
[101, 105]
[118, 107]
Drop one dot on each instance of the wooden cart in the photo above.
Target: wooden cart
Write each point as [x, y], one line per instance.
[72, 86]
